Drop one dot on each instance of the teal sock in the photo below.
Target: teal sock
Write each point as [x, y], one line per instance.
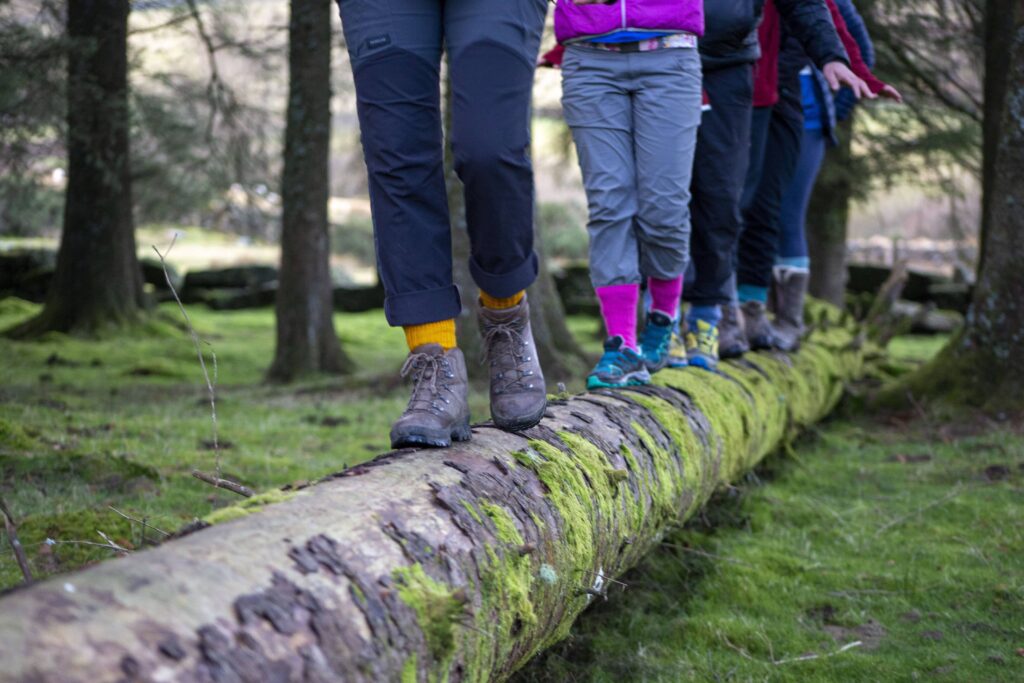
[802, 262]
[752, 293]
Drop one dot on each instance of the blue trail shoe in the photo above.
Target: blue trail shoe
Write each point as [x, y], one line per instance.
[618, 367]
[702, 345]
[655, 341]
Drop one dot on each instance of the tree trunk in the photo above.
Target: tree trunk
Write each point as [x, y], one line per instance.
[984, 365]
[98, 282]
[827, 218]
[306, 341]
[455, 565]
[998, 36]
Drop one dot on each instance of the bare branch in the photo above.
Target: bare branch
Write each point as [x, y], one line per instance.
[143, 522]
[226, 484]
[12, 538]
[197, 342]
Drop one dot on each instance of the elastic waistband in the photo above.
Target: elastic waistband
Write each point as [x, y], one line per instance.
[676, 40]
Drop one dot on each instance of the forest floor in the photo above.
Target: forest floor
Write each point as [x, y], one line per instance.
[901, 532]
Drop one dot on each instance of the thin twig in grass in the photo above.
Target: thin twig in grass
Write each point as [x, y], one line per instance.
[225, 484]
[12, 538]
[116, 548]
[143, 522]
[211, 385]
[957, 490]
[790, 660]
[805, 658]
[111, 542]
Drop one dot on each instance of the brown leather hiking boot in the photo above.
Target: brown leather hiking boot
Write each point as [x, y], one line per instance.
[438, 411]
[518, 395]
[732, 338]
[760, 334]
[790, 288]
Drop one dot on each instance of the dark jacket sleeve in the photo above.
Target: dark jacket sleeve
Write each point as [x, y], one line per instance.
[855, 25]
[810, 22]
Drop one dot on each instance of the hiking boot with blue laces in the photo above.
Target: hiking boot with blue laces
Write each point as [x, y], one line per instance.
[702, 345]
[655, 341]
[619, 367]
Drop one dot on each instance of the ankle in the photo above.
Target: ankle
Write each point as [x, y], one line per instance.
[747, 293]
[501, 303]
[711, 315]
[618, 309]
[441, 332]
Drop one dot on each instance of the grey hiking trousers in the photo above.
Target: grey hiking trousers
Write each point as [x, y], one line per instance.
[634, 119]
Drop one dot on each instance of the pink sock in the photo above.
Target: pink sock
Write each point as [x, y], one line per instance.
[665, 295]
[618, 307]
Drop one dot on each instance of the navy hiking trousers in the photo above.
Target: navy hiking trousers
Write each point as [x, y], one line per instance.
[395, 48]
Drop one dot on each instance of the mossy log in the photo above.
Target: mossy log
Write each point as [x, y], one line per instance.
[427, 565]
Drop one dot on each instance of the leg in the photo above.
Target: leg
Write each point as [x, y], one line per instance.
[666, 115]
[793, 214]
[492, 47]
[759, 239]
[720, 168]
[791, 274]
[596, 98]
[395, 48]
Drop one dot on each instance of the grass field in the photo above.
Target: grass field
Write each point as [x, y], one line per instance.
[898, 532]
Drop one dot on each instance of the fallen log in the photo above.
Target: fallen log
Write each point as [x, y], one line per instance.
[453, 565]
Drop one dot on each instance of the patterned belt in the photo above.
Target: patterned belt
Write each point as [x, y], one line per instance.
[676, 40]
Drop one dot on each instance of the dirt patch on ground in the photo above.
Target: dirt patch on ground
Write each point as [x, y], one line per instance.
[870, 633]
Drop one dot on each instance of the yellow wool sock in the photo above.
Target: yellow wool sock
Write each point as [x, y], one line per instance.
[498, 304]
[441, 332]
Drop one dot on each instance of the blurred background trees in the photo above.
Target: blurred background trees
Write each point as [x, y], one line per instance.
[213, 120]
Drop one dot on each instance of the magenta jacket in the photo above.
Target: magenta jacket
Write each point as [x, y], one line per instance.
[576, 22]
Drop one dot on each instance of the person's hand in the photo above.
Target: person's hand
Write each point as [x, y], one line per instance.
[891, 93]
[838, 74]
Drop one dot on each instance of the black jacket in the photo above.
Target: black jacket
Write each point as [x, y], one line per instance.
[730, 31]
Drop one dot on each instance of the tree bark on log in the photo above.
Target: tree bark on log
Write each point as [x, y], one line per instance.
[427, 565]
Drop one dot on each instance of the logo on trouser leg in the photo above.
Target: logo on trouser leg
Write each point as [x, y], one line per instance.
[377, 42]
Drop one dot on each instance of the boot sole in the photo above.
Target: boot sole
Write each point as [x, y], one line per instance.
[522, 423]
[422, 439]
[634, 379]
[733, 352]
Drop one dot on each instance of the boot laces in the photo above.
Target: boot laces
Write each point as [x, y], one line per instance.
[427, 388]
[509, 348]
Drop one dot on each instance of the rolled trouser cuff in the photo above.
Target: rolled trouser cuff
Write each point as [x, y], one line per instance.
[506, 284]
[425, 306]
